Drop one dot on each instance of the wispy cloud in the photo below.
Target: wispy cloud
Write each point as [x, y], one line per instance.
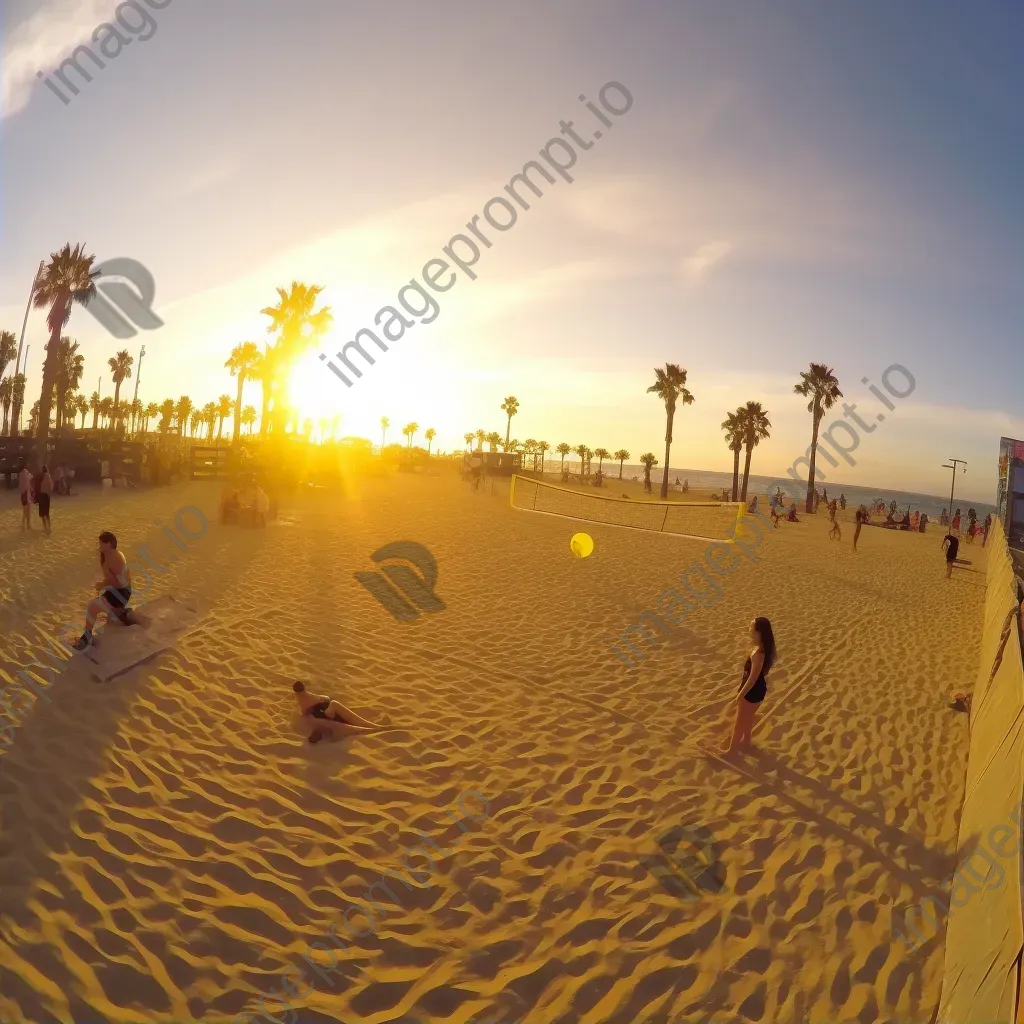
[696, 267]
[41, 42]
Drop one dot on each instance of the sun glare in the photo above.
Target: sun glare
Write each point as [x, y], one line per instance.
[312, 389]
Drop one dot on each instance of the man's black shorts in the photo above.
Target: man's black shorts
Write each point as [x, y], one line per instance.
[117, 597]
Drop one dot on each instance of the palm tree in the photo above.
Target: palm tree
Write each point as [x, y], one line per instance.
[581, 450]
[249, 417]
[480, 438]
[70, 368]
[243, 360]
[33, 418]
[182, 411]
[410, 431]
[818, 383]
[120, 370]
[384, 424]
[647, 460]
[543, 448]
[8, 349]
[621, 455]
[756, 428]
[468, 437]
[510, 446]
[106, 410]
[17, 400]
[563, 449]
[81, 408]
[493, 439]
[94, 405]
[298, 325]
[166, 411]
[6, 397]
[734, 432]
[209, 416]
[601, 454]
[430, 435]
[8, 352]
[151, 411]
[66, 280]
[224, 407]
[511, 407]
[670, 387]
[67, 410]
[263, 371]
[195, 421]
[135, 410]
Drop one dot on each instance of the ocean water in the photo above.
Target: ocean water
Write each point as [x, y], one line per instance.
[932, 504]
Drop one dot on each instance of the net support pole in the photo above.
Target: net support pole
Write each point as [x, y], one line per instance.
[665, 520]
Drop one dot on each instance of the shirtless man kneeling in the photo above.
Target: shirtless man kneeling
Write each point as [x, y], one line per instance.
[312, 705]
[114, 590]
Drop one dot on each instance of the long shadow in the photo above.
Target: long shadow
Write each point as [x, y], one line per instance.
[917, 851]
[40, 801]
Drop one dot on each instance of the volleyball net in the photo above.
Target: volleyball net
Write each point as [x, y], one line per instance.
[709, 520]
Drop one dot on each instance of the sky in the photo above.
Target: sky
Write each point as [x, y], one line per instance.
[833, 183]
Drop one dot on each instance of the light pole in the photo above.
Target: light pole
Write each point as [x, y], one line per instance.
[24, 324]
[952, 464]
[138, 375]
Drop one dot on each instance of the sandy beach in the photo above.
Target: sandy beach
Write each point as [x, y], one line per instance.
[171, 845]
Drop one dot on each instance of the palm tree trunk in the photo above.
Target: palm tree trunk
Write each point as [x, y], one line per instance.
[621, 461]
[113, 415]
[668, 447]
[508, 429]
[49, 377]
[814, 453]
[238, 409]
[746, 471]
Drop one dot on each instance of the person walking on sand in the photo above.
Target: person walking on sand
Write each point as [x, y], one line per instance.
[861, 517]
[314, 705]
[43, 496]
[25, 489]
[476, 468]
[754, 687]
[953, 546]
[955, 527]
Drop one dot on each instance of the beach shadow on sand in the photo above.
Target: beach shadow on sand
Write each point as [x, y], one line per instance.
[44, 812]
[904, 857]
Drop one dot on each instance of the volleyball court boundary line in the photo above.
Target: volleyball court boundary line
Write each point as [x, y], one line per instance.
[739, 505]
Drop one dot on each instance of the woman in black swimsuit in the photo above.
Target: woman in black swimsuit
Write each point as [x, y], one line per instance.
[753, 688]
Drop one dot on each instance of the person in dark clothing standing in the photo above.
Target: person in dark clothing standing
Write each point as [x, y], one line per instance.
[952, 545]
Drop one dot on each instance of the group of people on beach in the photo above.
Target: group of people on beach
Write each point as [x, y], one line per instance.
[38, 488]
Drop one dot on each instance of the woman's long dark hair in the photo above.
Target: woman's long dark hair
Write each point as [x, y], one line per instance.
[764, 630]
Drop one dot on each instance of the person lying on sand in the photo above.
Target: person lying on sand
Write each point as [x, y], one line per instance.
[114, 590]
[314, 705]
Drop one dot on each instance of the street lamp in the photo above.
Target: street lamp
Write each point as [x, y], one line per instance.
[952, 464]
